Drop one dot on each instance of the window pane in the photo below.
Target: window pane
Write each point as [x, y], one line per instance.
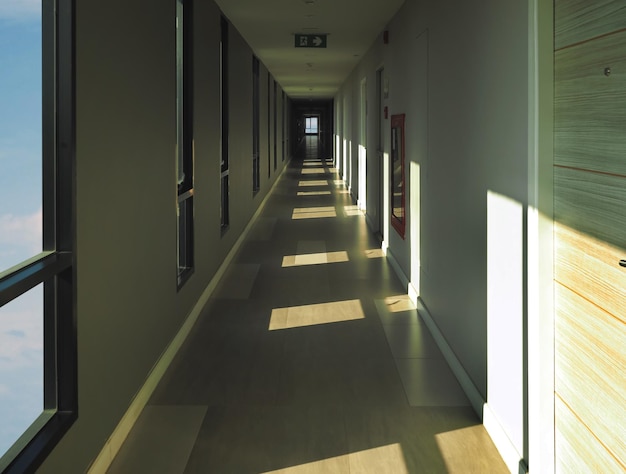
[21, 365]
[185, 236]
[20, 132]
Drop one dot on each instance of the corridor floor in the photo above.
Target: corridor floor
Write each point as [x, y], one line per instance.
[309, 358]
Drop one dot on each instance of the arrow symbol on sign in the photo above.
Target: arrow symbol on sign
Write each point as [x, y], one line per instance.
[317, 41]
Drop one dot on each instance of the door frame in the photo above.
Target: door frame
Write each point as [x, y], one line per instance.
[380, 150]
[540, 427]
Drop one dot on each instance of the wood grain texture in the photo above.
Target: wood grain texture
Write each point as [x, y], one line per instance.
[591, 368]
[590, 118]
[590, 268]
[592, 204]
[577, 450]
[581, 20]
[590, 235]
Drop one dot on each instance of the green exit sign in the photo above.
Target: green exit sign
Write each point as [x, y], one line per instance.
[310, 41]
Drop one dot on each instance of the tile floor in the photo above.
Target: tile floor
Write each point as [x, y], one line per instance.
[309, 358]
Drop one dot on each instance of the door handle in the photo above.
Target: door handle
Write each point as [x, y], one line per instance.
[622, 263]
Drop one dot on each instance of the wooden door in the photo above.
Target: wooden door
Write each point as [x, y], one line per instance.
[590, 235]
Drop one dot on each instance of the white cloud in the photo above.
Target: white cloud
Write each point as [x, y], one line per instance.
[19, 9]
[21, 332]
[22, 232]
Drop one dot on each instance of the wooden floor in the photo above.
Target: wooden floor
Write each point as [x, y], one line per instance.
[309, 358]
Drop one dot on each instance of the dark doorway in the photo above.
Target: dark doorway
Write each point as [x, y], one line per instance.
[312, 128]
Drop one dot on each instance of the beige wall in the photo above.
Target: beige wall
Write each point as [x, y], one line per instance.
[128, 306]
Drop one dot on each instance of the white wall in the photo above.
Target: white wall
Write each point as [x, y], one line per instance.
[459, 71]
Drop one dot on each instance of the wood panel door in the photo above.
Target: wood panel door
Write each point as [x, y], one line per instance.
[590, 235]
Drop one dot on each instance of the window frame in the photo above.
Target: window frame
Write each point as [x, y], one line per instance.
[224, 125]
[275, 125]
[55, 266]
[184, 142]
[269, 127]
[256, 116]
[283, 123]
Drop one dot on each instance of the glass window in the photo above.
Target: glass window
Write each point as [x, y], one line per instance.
[20, 133]
[269, 128]
[21, 365]
[224, 106]
[38, 400]
[311, 125]
[184, 139]
[284, 131]
[256, 109]
[275, 127]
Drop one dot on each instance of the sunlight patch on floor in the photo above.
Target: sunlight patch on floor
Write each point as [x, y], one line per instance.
[396, 304]
[313, 212]
[319, 182]
[314, 314]
[314, 193]
[384, 459]
[374, 253]
[352, 211]
[458, 449]
[315, 258]
[313, 170]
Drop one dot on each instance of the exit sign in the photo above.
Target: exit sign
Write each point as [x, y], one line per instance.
[310, 41]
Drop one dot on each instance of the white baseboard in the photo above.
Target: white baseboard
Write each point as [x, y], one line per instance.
[396, 267]
[503, 444]
[104, 459]
[413, 293]
[457, 368]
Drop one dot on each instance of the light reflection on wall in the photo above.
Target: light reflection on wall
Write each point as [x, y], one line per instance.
[415, 216]
[362, 198]
[505, 314]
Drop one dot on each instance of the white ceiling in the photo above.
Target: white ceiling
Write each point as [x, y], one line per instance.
[269, 27]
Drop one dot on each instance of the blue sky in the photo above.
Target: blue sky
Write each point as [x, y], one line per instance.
[21, 321]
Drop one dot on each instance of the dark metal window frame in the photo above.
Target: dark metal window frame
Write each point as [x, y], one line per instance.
[55, 266]
[275, 126]
[284, 133]
[184, 138]
[269, 116]
[224, 124]
[256, 116]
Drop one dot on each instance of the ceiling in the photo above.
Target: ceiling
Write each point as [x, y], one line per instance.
[270, 26]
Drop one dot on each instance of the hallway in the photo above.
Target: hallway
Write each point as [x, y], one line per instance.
[308, 358]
